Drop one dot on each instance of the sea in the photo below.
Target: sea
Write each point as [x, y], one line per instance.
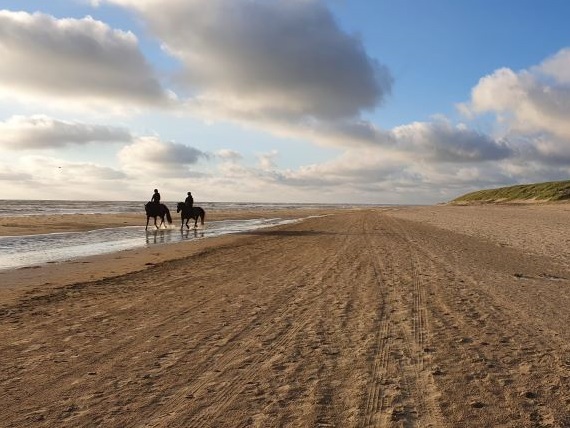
[30, 250]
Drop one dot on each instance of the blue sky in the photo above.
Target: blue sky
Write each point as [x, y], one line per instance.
[438, 50]
[282, 101]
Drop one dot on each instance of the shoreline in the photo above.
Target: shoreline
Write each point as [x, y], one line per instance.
[41, 224]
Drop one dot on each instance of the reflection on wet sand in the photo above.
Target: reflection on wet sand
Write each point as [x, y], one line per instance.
[193, 233]
[166, 236]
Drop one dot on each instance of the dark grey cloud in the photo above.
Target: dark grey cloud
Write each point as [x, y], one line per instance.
[159, 158]
[437, 141]
[544, 148]
[81, 59]
[290, 56]
[42, 132]
[174, 153]
[440, 141]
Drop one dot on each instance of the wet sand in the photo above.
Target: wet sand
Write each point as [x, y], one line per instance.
[33, 225]
[411, 317]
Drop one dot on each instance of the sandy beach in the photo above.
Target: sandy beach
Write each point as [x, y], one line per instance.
[436, 316]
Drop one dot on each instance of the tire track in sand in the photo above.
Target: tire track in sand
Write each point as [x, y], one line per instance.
[402, 389]
[376, 401]
[426, 392]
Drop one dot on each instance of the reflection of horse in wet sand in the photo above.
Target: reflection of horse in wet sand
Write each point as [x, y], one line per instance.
[188, 213]
[157, 210]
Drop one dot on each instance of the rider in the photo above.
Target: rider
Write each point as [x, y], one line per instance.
[189, 200]
[155, 197]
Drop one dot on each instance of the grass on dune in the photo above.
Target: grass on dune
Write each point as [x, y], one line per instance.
[548, 192]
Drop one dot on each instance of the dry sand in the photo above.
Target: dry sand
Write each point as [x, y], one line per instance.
[414, 317]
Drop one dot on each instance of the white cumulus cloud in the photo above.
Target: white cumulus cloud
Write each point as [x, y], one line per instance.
[536, 100]
[43, 132]
[73, 60]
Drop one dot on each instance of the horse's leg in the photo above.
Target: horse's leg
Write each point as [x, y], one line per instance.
[161, 222]
[196, 223]
[187, 220]
[147, 220]
[155, 223]
[181, 221]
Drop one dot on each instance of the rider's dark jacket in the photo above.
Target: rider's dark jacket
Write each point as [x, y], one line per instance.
[155, 198]
[189, 201]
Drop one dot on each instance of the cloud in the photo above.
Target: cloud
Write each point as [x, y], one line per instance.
[43, 132]
[9, 174]
[551, 151]
[362, 175]
[228, 155]
[532, 107]
[436, 141]
[267, 161]
[283, 55]
[440, 141]
[557, 67]
[54, 170]
[536, 100]
[82, 60]
[423, 161]
[284, 64]
[542, 148]
[356, 167]
[47, 177]
[151, 156]
[373, 175]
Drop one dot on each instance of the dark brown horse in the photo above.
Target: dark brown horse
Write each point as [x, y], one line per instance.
[190, 213]
[157, 210]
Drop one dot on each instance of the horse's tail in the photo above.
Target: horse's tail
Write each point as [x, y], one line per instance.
[168, 216]
[202, 217]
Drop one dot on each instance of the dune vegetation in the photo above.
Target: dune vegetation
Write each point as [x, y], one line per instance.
[538, 192]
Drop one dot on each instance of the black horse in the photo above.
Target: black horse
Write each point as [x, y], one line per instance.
[188, 213]
[156, 210]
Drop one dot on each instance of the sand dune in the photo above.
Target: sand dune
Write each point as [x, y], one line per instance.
[414, 317]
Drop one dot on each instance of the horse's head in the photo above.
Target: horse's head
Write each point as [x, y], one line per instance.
[179, 206]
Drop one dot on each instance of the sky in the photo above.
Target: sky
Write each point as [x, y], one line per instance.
[308, 101]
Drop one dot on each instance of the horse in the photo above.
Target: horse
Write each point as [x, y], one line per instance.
[156, 210]
[188, 213]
